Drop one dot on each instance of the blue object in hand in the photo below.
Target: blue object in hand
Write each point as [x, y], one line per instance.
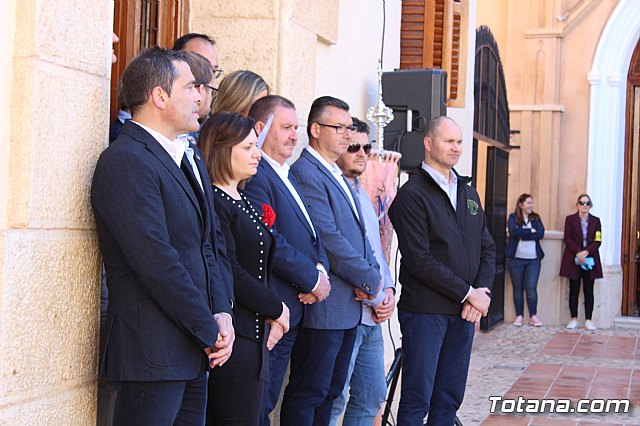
[588, 264]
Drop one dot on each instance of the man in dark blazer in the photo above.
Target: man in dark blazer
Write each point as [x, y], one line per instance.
[300, 263]
[321, 356]
[168, 317]
[446, 271]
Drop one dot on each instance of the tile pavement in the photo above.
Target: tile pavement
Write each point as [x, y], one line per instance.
[551, 362]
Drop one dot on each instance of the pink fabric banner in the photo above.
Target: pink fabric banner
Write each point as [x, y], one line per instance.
[381, 183]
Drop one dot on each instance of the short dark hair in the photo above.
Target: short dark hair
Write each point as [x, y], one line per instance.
[361, 126]
[220, 133]
[261, 108]
[153, 67]
[319, 106]
[182, 41]
[200, 67]
[122, 102]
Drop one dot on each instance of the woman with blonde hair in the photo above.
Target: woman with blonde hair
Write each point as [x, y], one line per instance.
[238, 91]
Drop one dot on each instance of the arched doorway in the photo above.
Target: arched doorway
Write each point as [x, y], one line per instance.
[491, 132]
[606, 155]
[631, 206]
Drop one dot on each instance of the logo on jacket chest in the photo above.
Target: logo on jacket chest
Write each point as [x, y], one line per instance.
[473, 207]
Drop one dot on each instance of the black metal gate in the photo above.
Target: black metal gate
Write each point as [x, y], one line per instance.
[491, 156]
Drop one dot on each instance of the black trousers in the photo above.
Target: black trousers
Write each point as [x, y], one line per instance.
[574, 292]
[166, 403]
[235, 389]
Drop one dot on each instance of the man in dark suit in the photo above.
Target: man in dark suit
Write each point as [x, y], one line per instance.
[321, 356]
[168, 317]
[300, 263]
[446, 271]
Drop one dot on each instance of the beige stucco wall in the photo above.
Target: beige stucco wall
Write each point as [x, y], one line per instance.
[546, 62]
[276, 39]
[54, 114]
[547, 50]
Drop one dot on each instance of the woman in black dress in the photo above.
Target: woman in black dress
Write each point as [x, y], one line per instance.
[228, 142]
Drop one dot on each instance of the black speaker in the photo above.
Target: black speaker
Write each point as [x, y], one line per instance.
[416, 96]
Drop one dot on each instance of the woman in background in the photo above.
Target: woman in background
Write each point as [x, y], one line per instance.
[228, 142]
[581, 259]
[238, 91]
[525, 254]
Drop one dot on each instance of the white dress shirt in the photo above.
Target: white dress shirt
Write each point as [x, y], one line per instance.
[282, 170]
[337, 173]
[175, 148]
[450, 186]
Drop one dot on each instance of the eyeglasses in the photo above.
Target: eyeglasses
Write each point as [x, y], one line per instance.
[584, 203]
[214, 90]
[355, 147]
[217, 72]
[341, 129]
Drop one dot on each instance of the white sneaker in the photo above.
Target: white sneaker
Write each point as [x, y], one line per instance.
[588, 325]
[573, 324]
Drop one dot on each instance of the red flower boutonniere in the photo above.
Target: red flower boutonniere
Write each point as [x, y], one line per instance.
[268, 215]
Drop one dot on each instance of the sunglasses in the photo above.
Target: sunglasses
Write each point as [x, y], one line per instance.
[584, 203]
[355, 147]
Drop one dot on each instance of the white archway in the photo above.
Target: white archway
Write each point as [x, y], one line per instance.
[608, 77]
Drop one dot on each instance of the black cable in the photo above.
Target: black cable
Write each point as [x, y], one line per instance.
[384, 24]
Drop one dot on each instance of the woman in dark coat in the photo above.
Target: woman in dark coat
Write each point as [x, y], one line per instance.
[525, 255]
[228, 142]
[581, 259]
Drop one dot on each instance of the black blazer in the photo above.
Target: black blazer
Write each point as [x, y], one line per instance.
[250, 247]
[162, 267]
[297, 251]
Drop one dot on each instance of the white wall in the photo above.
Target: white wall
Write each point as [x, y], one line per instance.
[464, 116]
[347, 70]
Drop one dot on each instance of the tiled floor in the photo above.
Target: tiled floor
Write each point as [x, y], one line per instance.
[550, 363]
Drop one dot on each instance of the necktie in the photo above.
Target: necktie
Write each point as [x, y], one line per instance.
[189, 153]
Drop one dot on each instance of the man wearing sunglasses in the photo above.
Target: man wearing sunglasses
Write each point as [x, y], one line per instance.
[366, 385]
[321, 356]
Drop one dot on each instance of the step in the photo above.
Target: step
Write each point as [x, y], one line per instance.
[627, 322]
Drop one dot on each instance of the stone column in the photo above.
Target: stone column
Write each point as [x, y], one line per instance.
[54, 99]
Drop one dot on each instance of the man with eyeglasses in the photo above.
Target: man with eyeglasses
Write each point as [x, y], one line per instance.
[204, 83]
[366, 385]
[203, 45]
[322, 353]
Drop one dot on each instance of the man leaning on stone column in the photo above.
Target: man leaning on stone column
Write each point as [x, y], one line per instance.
[169, 315]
